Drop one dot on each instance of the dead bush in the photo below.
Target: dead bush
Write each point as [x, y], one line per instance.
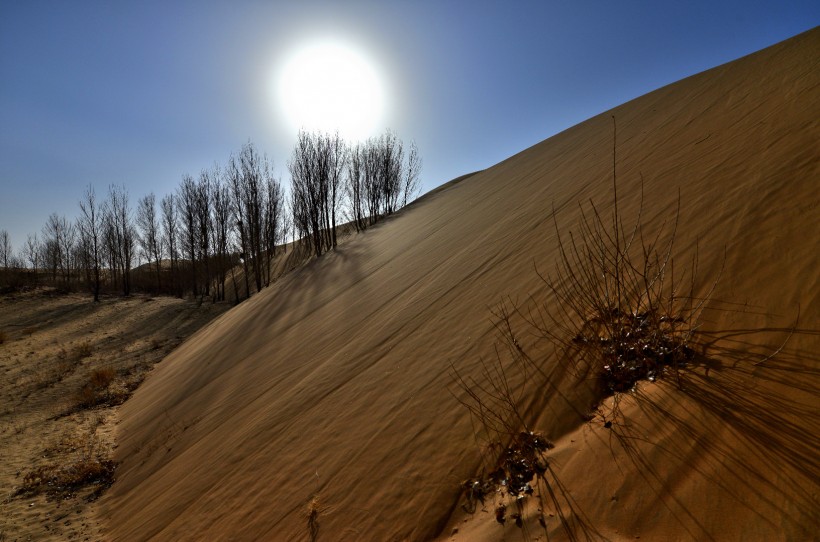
[83, 462]
[617, 305]
[69, 359]
[617, 309]
[95, 389]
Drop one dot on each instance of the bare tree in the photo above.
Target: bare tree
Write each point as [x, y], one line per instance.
[411, 174]
[170, 236]
[252, 206]
[273, 220]
[32, 251]
[246, 179]
[5, 248]
[207, 180]
[220, 233]
[316, 168]
[390, 154]
[186, 205]
[150, 240]
[59, 237]
[90, 225]
[121, 230]
[355, 184]
[5, 257]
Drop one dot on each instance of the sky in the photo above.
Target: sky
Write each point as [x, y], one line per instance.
[140, 93]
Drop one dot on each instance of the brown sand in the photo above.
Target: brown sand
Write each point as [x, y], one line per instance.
[333, 383]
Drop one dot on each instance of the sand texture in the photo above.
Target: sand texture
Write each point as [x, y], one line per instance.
[335, 383]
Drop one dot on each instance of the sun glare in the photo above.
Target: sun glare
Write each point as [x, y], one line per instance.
[328, 86]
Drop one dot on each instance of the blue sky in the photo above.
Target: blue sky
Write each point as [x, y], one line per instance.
[139, 93]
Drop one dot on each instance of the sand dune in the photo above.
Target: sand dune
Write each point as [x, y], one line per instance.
[334, 381]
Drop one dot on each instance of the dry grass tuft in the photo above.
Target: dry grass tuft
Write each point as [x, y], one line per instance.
[68, 360]
[95, 390]
[89, 466]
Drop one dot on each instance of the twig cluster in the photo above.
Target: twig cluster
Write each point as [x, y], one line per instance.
[618, 310]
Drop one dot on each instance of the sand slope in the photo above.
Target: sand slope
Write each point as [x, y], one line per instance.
[334, 381]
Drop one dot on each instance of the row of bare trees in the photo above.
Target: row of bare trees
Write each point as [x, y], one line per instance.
[375, 178]
[224, 227]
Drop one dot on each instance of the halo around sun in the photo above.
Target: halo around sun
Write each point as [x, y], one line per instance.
[329, 86]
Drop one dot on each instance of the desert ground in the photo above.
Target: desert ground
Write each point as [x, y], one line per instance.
[52, 343]
[330, 406]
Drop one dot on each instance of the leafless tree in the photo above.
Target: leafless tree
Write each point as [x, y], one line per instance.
[149, 238]
[59, 237]
[186, 205]
[235, 184]
[220, 233]
[90, 224]
[316, 168]
[170, 237]
[32, 251]
[411, 173]
[247, 181]
[335, 155]
[355, 184]
[207, 180]
[5, 248]
[122, 232]
[273, 220]
[379, 179]
[251, 205]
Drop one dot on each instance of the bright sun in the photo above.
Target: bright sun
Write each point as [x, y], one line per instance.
[328, 86]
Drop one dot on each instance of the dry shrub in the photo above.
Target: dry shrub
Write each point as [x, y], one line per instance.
[82, 350]
[616, 309]
[617, 305]
[86, 463]
[95, 390]
[68, 360]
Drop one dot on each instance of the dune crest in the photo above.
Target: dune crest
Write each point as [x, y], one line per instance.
[333, 383]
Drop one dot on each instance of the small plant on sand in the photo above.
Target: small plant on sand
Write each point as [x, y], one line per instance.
[68, 360]
[617, 310]
[85, 463]
[95, 390]
[619, 306]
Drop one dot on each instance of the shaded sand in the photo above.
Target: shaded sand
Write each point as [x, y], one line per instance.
[334, 382]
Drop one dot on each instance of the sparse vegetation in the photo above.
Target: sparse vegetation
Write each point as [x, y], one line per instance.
[615, 310]
[618, 305]
[69, 359]
[95, 390]
[89, 465]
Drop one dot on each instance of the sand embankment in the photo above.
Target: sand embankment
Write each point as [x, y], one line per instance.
[334, 381]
